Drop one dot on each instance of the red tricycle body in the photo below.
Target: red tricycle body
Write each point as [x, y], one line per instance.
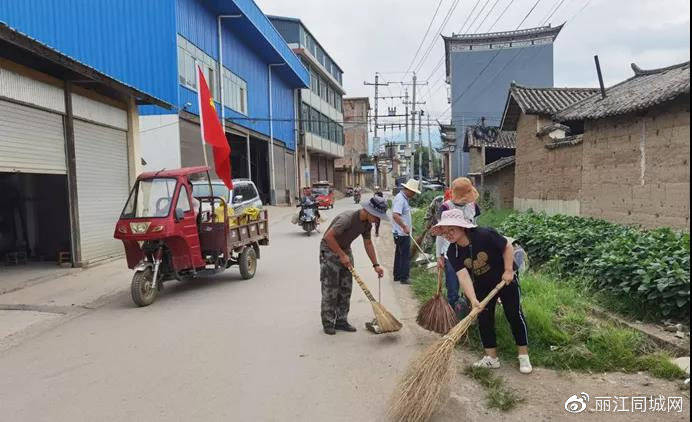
[167, 235]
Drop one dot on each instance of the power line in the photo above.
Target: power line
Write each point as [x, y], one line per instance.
[415, 55]
[487, 16]
[432, 43]
[477, 16]
[492, 59]
[501, 15]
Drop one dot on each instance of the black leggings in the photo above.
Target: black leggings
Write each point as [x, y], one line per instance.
[510, 296]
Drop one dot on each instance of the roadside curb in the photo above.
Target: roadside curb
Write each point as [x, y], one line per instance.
[668, 342]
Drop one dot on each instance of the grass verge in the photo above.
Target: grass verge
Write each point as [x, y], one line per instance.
[563, 335]
[493, 217]
[498, 395]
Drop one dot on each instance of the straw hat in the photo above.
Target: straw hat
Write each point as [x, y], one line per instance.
[453, 218]
[376, 206]
[412, 185]
[463, 191]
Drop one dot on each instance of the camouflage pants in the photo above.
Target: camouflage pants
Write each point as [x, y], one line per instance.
[337, 284]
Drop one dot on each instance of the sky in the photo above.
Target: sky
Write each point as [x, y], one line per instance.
[368, 36]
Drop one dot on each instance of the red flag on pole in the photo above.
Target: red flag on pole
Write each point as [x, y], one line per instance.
[212, 132]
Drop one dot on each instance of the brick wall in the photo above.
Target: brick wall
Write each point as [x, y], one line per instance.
[636, 167]
[476, 161]
[355, 131]
[545, 180]
[499, 186]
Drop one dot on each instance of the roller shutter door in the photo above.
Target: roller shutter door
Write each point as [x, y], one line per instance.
[102, 187]
[31, 140]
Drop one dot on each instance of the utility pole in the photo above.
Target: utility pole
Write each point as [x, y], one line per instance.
[413, 122]
[431, 157]
[375, 139]
[408, 141]
[420, 147]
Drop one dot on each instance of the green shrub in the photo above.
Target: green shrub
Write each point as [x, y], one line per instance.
[424, 199]
[648, 269]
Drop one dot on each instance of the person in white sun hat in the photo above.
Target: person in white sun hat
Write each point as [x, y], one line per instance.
[482, 258]
[401, 229]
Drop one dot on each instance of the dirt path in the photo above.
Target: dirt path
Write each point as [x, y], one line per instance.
[545, 391]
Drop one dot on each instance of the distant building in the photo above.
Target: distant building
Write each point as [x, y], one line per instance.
[348, 171]
[480, 68]
[321, 104]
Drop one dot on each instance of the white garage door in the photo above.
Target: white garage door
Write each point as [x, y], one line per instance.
[102, 187]
[31, 140]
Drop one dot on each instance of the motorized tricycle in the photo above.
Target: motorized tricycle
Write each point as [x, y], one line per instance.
[324, 194]
[169, 234]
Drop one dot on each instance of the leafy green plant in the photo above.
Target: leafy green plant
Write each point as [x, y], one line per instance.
[648, 269]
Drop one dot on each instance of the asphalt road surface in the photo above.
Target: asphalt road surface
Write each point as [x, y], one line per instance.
[222, 348]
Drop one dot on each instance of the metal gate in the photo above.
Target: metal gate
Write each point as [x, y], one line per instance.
[102, 187]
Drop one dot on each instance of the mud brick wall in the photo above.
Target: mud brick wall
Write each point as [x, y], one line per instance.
[500, 187]
[547, 180]
[636, 168]
[476, 161]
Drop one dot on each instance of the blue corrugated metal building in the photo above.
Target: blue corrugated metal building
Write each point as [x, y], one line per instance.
[153, 45]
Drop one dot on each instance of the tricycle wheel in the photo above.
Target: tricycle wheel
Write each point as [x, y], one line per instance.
[248, 263]
[144, 291]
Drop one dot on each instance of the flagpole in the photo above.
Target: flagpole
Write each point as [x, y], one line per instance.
[198, 69]
[201, 137]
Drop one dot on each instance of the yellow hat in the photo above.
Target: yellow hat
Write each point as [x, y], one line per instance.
[463, 191]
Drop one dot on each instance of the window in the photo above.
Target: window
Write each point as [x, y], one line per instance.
[324, 126]
[339, 103]
[315, 121]
[330, 96]
[323, 89]
[339, 134]
[183, 200]
[314, 82]
[305, 117]
[188, 54]
[235, 92]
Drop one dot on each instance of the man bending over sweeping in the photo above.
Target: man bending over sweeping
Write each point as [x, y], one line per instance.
[482, 257]
[336, 259]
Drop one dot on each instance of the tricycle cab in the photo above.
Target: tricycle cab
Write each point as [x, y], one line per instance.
[161, 210]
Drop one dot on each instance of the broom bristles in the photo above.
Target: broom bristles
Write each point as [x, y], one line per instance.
[437, 315]
[385, 320]
[427, 376]
[419, 392]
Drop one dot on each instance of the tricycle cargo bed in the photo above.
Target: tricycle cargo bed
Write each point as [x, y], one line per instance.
[247, 234]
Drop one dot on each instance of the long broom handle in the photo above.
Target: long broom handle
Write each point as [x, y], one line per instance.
[362, 285]
[492, 293]
[419, 248]
[439, 281]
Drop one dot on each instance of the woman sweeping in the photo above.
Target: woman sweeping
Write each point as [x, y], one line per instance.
[482, 257]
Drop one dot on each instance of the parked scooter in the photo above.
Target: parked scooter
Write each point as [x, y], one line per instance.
[308, 215]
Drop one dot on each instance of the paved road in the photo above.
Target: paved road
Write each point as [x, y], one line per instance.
[218, 349]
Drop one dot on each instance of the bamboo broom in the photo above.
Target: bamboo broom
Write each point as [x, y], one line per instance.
[437, 315]
[385, 321]
[419, 392]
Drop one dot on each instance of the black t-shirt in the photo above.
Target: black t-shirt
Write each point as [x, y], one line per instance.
[487, 247]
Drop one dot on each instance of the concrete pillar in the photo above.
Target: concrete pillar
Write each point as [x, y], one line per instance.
[134, 154]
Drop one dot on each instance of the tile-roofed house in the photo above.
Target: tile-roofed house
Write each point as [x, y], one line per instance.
[486, 144]
[489, 136]
[540, 101]
[622, 158]
[646, 89]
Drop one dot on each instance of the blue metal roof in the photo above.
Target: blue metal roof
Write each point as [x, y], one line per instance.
[260, 32]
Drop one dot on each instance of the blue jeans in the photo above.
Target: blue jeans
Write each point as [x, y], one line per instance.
[402, 257]
[452, 283]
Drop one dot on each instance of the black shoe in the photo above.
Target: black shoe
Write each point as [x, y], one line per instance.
[329, 330]
[345, 326]
[405, 282]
